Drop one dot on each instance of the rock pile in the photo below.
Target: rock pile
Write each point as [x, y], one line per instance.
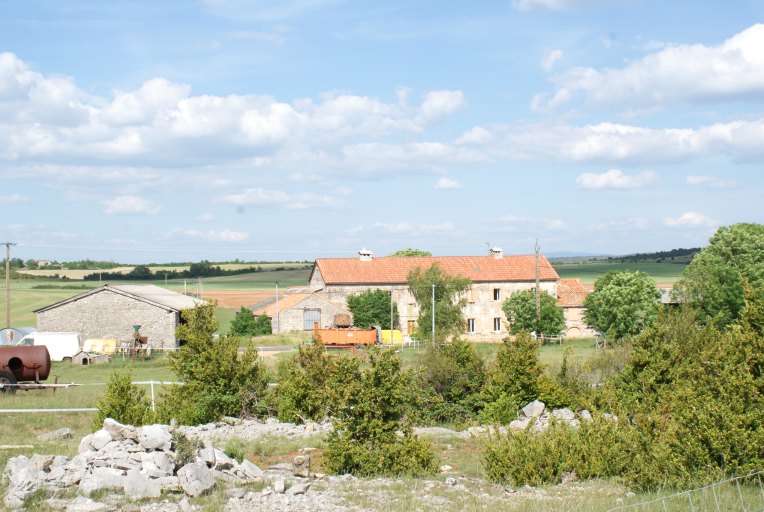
[141, 462]
[536, 415]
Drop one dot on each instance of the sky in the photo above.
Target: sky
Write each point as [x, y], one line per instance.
[144, 131]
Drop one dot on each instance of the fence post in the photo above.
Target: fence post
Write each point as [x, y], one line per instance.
[153, 406]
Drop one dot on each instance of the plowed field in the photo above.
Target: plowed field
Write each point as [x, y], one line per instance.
[237, 298]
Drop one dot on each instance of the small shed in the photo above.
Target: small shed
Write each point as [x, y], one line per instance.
[12, 335]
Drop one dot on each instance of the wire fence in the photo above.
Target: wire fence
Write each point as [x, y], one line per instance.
[739, 494]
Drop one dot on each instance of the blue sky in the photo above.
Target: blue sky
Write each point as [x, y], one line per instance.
[266, 130]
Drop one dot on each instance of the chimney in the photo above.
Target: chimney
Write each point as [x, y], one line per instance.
[495, 252]
[364, 254]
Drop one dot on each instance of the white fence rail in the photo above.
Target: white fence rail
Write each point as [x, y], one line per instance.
[739, 494]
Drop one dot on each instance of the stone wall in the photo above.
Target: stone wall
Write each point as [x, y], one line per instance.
[108, 314]
[292, 319]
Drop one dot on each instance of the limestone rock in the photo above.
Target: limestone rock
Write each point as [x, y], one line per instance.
[297, 489]
[196, 478]
[119, 431]
[250, 470]
[62, 433]
[565, 414]
[279, 486]
[100, 439]
[534, 409]
[139, 486]
[155, 437]
[585, 415]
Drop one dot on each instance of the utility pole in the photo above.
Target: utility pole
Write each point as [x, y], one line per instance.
[7, 283]
[278, 320]
[391, 316]
[433, 314]
[538, 292]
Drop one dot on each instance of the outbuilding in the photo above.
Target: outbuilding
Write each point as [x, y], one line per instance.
[113, 311]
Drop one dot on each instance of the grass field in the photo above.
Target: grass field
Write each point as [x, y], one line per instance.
[589, 272]
[79, 274]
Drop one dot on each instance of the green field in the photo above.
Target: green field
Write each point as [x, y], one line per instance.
[28, 295]
[588, 272]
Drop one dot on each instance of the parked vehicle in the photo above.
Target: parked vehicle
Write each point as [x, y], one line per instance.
[62, 346]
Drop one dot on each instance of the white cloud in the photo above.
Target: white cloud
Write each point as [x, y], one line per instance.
[129, 205]
[690, 220]
[217, 236]
[621, 225]
[15, 198]
[561, 5]
[551, 59]
[414, 229]
[205, 217]
[299, 201]
[476, 135]
[685, 73]
[711, 182]
[519, 223]
[440, 104]
[616, 179]
[447, 184]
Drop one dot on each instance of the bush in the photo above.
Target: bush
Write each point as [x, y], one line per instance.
[372, 435]
[123, 402]
[454, 375]
[513, 379]
[599, 448]
[246, 324]
[305, 390]
[218, 380]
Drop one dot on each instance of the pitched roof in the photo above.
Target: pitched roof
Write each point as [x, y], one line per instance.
[285, 302]
[571, 292]
[395, 270]
[151, 294]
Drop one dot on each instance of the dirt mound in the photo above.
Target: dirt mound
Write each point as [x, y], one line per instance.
[237, 298]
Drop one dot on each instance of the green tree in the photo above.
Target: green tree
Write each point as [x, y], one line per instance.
[713, 282]
[520, 309]
[123, 402]
[622, 304]
[411, 252]
[31, 264]
[140, 272]
[247, 324]
[450, 300]
[218, 380]
[452, 377]
[371, 433]
[372, 308]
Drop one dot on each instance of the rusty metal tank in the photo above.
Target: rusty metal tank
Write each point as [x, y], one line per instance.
[25, 363]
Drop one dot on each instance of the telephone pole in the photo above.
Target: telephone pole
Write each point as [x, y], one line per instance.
[538, 292]
[7, 283]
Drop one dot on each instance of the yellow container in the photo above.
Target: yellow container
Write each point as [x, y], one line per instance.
[384, 337]
[100, 346]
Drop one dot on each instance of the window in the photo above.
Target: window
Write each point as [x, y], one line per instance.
[309, 317]
[410, 326]
[471, 295]
[497, 324]
[471, 325]
[497, 294]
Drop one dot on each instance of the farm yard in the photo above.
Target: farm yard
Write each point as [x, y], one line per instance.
[572, 373]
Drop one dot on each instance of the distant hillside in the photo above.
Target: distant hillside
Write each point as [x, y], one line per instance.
[672, 256]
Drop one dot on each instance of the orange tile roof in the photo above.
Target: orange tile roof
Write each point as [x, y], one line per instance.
[571, 292]
[285, 302]
[395, 270]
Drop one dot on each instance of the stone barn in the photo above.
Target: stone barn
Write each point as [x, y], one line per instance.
[299, 311]
[112, 311]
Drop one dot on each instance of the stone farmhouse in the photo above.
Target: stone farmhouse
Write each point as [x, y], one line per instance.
[298, 311]
[112, 311]
[494, 278]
